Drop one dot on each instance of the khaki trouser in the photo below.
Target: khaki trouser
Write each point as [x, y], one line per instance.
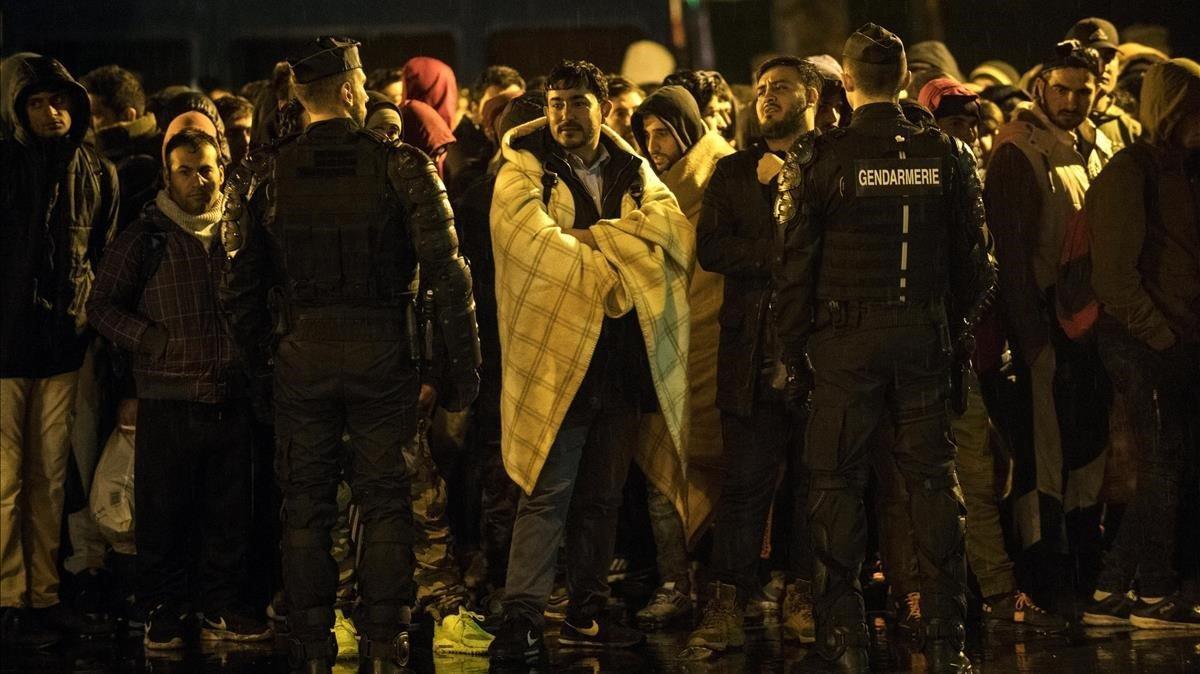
[35, 430]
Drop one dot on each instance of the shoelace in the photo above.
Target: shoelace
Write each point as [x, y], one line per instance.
[913, 600]
[714, 612]
[1024, 603]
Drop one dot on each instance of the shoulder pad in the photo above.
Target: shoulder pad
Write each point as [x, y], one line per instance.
[373, 135]
[831, 136]
[803, 151]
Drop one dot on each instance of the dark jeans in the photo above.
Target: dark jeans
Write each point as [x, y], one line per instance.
[598, 449]
[1160, 394]
[757, 448]
[878, 364]
[368, 390]
[192, 489]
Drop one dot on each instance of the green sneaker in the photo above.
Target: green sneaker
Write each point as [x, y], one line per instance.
[461, 634]
[346, 634]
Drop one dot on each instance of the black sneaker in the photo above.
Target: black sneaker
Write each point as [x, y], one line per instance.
[1110, 611]
[1171, 613]
[1017, 608]
[517, 639]
[92, 603]
[165, 628]
[234, 625]
[598, 633]
[19, 632]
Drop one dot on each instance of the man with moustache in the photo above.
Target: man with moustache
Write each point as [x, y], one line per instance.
[155, 296]
[1043, 164]
[58, 206]
[671, 133]
[592, 255]
[324, 243]
[737, 238]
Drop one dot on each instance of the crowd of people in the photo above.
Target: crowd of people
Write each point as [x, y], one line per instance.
[390, 351]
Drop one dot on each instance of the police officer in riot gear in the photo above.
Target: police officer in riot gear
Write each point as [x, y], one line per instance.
[325, 237]
[883, 258]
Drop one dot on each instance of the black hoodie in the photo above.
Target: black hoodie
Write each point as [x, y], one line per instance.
[58, 207]
[676, 107]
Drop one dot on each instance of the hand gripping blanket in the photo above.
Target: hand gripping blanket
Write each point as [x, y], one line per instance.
[553, 292]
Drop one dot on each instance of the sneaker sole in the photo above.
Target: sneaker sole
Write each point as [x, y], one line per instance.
[1102, 620]
[1156, 624]
[599, 645]
[173, 644]
[1002, 624]
[454, 648]
[207, 634]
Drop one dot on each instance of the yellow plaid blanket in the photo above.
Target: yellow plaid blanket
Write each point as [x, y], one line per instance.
[552, 294]
[687, 180]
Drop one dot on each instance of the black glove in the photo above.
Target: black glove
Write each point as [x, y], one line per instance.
[797, 392]
[460, 391]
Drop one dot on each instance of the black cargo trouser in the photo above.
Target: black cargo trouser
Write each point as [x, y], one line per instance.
[365, 386]
[874, 363]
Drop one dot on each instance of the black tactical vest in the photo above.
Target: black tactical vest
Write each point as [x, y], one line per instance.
[885, 231]
[341, 230]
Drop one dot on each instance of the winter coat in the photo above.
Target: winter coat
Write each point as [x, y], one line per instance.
[58, 206]
[688, 179]
[735, 237]
[553, 294]
[180, 297]
[1036, 182]
[1146, 245]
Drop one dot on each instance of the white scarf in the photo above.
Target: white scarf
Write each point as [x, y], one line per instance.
[201, 226]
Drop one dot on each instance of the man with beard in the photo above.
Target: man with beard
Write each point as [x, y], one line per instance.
[884, 252]
[1044, 161]
[324, 244]
[58, 207]
[670, 131]
[155, 297]
[1120, 126]
[592, 256]
[736, 238]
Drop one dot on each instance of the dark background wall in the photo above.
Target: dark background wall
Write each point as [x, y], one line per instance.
[233, 41]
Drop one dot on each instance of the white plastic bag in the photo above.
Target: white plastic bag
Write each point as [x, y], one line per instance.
[111, 499]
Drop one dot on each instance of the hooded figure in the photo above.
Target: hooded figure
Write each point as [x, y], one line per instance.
[687, 179]
[1143, 211]
[59, 204]
[425, 130]
[1155, 296]
[195, 101]
[932, 55]
[432, 82]
[58, 207]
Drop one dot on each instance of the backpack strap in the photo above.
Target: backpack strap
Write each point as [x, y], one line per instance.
[549, 182]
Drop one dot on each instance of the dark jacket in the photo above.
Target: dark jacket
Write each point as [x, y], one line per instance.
[179, 296]
[735, 237]
[134, 147]
[1146, 244]
[58, 205]
[473, 221]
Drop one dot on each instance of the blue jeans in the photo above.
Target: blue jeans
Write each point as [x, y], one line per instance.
[600, 447]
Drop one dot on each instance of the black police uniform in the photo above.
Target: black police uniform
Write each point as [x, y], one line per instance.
[883, 246]
[335, 223]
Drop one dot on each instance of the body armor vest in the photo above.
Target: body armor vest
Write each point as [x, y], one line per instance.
[885, 233]
[341, 231]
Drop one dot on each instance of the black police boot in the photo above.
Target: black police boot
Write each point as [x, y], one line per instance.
[312, 657]
[839, 648]
[384, 657]
[942, 643]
